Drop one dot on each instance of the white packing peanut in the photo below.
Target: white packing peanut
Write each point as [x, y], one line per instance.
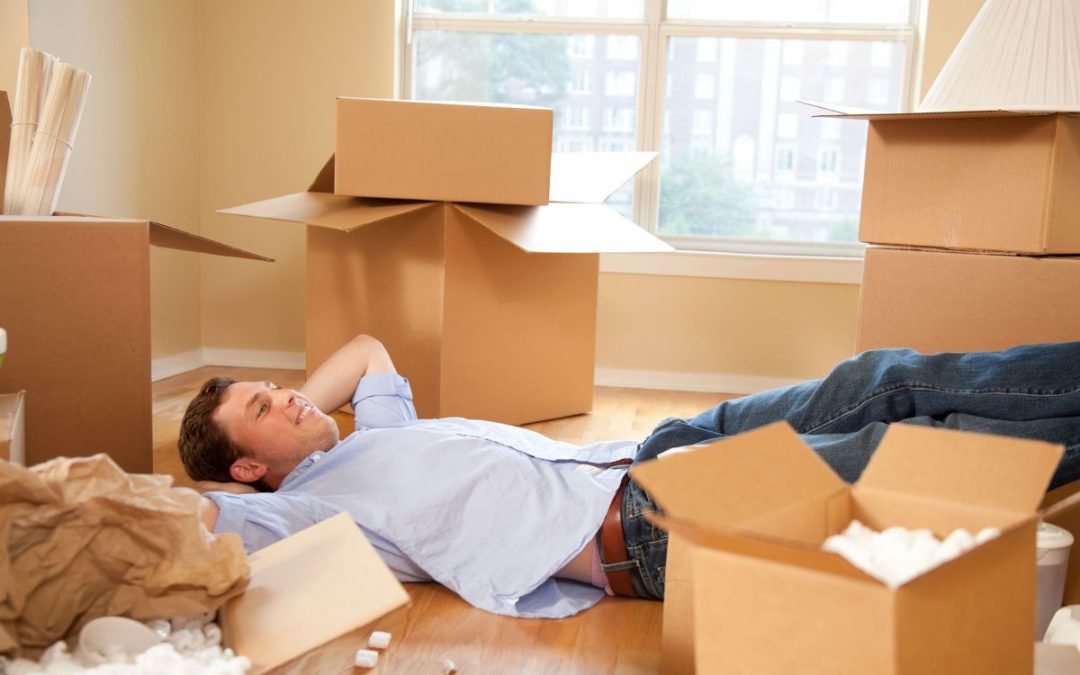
[379, 640]
[366, 658]
[448, 667]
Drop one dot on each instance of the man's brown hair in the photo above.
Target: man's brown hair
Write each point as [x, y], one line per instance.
[205, 450]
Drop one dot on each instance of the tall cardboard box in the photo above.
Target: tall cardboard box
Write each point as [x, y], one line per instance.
[995, 180]
[75, 301]
[488, 308]
[754, 509]
[938, 301]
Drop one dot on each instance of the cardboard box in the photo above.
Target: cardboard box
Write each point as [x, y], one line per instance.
[490, 310]
[496, 154]
[312, 601]
[766, 599]
[75, 301]
[12, 425]
[935, 301]
[985, 181]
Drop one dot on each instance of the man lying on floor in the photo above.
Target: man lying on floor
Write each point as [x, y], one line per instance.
[522, 525]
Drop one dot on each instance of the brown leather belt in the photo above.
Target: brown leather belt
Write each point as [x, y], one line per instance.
[613, 545]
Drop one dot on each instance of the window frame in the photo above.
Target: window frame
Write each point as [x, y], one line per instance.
[654, 32]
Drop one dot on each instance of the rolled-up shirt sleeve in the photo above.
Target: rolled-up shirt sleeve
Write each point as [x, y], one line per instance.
[383, 400]
[266, 517]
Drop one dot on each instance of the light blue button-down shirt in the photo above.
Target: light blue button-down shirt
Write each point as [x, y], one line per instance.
[489, 510]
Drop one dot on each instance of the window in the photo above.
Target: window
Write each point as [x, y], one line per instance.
[789, 88]
[576, 117]
[787, 125]
[622, 47]
[704, 86]
[785, 159]
[579, 82]
[741, 162]
[619, 84]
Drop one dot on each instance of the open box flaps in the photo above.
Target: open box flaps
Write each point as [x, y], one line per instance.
[1008, 474]
[738, 478]
[559, 227]
[321, 583]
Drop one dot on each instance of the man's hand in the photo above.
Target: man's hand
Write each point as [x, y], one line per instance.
[332, 384]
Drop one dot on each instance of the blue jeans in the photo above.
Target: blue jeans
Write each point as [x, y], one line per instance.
[1032, 391]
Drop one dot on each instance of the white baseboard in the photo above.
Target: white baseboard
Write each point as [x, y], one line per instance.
[253, 358]
[725, 383]
[167, 366]
[174, 364]
[676, 381]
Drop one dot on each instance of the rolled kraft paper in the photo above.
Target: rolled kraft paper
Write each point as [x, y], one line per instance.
[35, 71]
[55, 135]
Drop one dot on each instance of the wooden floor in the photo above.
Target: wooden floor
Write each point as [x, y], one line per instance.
[617, 636]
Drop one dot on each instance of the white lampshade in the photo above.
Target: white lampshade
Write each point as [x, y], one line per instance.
[1016, 55]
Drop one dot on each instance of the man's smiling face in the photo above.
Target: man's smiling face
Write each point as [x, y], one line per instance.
[276, 428]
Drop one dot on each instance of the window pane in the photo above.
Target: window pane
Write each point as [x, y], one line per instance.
[808, 11]
[749, 162]
[591, 9]
[590, 81]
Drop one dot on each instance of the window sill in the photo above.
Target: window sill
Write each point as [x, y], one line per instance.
[806, 269]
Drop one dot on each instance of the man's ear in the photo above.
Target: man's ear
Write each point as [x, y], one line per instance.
[247, 470]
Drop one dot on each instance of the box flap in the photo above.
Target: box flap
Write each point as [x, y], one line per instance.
[761, 547]
[592, 177]
[324, 181]
[170, 237]
[737, 478]
[308, 589]
[338, 212]
[962, 467]
[564, 228]
[833, 110]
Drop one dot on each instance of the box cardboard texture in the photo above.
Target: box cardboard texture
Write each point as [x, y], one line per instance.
[982, 181]
[754, 509]
[12, 425]
[75, 301]
[328, 585]
[488, 308]
[937, 301]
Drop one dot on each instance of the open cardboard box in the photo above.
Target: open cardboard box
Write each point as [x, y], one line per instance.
[313, 600]
[488, 308]
[992, 180]
[751, 512]
[75, 301]
[940, 301]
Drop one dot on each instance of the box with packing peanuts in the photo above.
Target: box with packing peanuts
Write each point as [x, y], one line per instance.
[941, 301]
[753, 510]
[489, 309]
[996, 180]
[313, 599]
[75, 301]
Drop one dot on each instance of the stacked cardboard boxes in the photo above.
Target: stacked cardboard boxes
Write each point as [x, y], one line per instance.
[454, 235]
[973, 224]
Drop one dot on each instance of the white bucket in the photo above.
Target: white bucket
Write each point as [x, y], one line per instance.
[1052, 560]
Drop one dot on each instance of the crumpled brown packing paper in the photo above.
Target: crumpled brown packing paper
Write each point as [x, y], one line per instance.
[80, 538]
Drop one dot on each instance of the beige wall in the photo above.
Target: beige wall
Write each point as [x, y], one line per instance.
[945, 23]
[136, 150]
[269, 73]
[14, 35]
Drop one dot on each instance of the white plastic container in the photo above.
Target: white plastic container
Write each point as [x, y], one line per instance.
[1052, 560]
